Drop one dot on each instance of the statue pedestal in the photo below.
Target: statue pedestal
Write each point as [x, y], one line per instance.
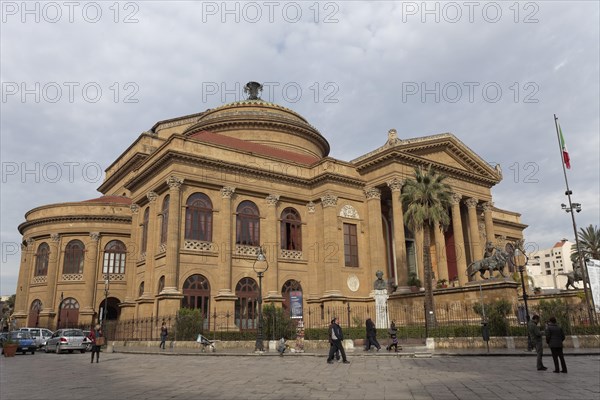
[381, 309]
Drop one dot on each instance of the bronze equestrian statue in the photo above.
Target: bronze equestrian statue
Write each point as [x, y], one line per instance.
[572, 277]
[495, 262]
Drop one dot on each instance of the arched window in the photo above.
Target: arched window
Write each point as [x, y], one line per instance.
[164, 223]
[161, 284]
[196, 294]
[287, 288]
[145, 222]
[114, 257]
[141, 289]
[74, 255]
[41, 260]
[291, 230]
[246, 310]
[247, 231]
[198, 218]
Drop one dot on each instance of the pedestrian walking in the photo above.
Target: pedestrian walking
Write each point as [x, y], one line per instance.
[164, 332]
[393, 332]
[555, 338]
[281, 346]
[536, 337]
[371, 335]
[97, 338]
[336, 336]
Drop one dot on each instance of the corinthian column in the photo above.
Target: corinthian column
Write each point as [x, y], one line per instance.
[376, 248]
[489, 224]
[53, 266]
[459, 241]
[271, 241]
[440, 250]
[151, 242]
[330, 238]
[90, 270]
[173, 235]
[400, 263]
[476, 252]
[227, 193]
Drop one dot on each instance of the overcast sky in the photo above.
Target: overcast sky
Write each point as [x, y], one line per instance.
[81, 81]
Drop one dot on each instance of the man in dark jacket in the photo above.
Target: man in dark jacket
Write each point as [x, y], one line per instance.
[371, 335]
[536, 336]
[555, 337]
[335, 340]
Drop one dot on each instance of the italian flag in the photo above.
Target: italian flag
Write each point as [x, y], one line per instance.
[563, 147]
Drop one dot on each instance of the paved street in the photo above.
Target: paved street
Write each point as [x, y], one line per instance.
[369, 376]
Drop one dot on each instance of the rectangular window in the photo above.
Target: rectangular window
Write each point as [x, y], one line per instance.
[350, 246]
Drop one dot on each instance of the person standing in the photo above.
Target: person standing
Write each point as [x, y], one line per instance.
[536, 337]
[555, 338]
[336, 336]
[371, 335]
[97, 338]
[163, 335]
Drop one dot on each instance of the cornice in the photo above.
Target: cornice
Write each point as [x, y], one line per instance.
[76, 218]
[225, 123]
[123, 171]
[171, 157]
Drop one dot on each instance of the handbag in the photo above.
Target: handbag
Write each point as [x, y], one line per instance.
[100, 341]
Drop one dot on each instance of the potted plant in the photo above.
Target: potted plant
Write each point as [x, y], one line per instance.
[414, 282]
[9, 346]
[442, 283]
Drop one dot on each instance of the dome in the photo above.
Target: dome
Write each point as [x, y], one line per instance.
[265, 123]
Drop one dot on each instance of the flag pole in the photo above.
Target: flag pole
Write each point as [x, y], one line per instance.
[582, 264]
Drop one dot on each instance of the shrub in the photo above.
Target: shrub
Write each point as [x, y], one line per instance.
[495, 313]
[188, 324]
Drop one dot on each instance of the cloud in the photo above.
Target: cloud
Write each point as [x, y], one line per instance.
[361, 67]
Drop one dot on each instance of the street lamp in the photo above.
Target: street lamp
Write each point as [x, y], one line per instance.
[260, 266]
[60, 309]
[589, 301]
[106, 286]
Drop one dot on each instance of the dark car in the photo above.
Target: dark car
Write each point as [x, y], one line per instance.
[69, 339]
[25, 342]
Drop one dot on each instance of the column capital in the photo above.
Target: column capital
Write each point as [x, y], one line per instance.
[395, 184]
[174, 182]
[311, 207]
[487, 206]
[152, 196]
[455, 198]
[272, 199]
[30, 242]
[329, 200]
[372, 193]
[227, 192]
[134, 208]
[95, 236]
[55, 237]
[471, 202]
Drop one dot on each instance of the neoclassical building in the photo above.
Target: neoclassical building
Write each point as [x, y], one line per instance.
[186, 207]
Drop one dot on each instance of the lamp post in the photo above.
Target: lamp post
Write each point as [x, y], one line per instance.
[59, 309]
[260, 266]
[105, 311]
[571, 209]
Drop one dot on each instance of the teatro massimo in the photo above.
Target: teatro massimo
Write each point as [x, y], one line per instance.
[184, 210]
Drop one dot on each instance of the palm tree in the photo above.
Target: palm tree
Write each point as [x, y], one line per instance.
[589, 242]
[426, 200]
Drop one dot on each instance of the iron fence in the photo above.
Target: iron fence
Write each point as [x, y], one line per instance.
[451, 320]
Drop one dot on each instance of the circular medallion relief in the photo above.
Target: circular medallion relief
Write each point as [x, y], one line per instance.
[353, 283]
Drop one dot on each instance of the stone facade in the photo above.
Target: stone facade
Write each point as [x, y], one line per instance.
[187, 205]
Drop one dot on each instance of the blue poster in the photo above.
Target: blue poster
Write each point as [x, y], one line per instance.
[296, 304]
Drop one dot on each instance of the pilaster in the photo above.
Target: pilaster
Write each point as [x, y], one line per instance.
[459, 241]
[476, 251]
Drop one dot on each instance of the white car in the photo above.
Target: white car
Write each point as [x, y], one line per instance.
[39, 335]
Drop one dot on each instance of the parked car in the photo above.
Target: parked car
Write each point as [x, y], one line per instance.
[25, 342]
[39, 335]
[69, 339]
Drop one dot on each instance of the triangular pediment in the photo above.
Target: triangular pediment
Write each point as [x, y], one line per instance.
[444, 151]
